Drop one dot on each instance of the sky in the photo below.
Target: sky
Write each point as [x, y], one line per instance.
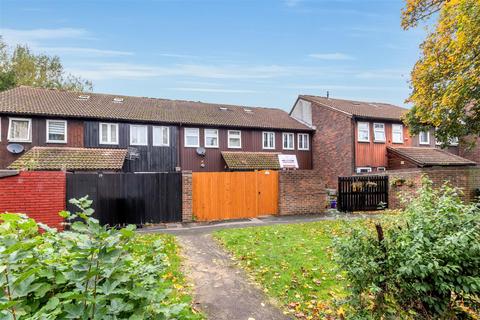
[244, 52]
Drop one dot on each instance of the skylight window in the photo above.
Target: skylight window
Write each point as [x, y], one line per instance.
[83, 97]
[223, 108]
[117, 100]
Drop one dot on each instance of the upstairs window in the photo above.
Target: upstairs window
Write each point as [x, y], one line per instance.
[379, 132]
[288, 141]
[108, 133]
[303, 141]
[56, 131]
[138, 135]
[397, 133]
[211, 138]
[363, 132]
[234, 139]
[268, 140]
[424, 137]
[161, 136]
[20, 130]
[192, 137]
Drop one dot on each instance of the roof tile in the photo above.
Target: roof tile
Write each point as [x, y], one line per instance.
[373, 110]
[53, 102]
[251, 160]
[63, 158]
[425, 157]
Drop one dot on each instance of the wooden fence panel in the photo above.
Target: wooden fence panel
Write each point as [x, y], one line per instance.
[361, 193]
[129, 198]
[234, 195]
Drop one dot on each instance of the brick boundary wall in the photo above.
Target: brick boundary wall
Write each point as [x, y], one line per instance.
[465, 178]
[301, 192]
[187, 196]
[39, 194]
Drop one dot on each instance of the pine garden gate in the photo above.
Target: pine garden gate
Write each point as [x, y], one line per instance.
[234, 195]
[362, 193]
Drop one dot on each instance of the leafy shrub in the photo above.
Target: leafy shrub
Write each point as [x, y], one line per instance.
[424, 264]
[87, 272]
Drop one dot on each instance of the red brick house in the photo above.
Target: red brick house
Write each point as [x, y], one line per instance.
[357, 137]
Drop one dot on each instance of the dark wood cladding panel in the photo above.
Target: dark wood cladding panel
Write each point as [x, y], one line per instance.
[151, 158]
[39, 136]
[251, 141]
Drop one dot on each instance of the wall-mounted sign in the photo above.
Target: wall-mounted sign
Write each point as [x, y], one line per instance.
[288, 161]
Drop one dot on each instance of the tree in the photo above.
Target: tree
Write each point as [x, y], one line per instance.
[23, 67]
[446, 78]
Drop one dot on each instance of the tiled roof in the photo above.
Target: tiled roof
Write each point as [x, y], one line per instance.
[374, 110]
[63, 158]
[251, 160]
[52, 102]
[426, 157]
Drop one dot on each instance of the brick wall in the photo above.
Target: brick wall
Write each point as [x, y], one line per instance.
[301, 192]
[466, 178]
[332, 146]
[187, 197]
[39, 194]
[470, 152]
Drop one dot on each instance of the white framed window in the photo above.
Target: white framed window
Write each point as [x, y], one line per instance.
[161, 136]
[364, 169]
[20, 130]
[211, 138]
[288, 141]
[108, 133]
[138, 135]
[424, 137]
[303, 142]
[381, 169]
[379, 132]
[364, 132]
[397, 133]
[268, 140]
[56, 131]
[192, 137]
[235, 139]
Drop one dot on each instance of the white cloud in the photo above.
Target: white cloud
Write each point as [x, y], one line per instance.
[214, 90]
[33, 36]
[104, 71]
[326, 87]
[176, 55]
[331, 56]
[393, 74]
[84, 51]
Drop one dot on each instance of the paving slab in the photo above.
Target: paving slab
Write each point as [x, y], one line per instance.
[222, 290]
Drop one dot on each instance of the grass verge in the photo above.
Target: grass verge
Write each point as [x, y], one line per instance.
[173, 277]
[293, 263]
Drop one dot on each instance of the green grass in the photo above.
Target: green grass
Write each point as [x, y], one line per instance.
[172, 278]
[293, 263]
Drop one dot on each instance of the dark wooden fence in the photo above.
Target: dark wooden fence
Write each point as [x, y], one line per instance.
[362, 193]
[129, 198]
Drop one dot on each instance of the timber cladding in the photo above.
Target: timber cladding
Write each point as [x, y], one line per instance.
[234, 195]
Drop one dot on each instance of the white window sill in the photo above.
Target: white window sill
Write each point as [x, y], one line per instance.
[20, 141]
[364, 141]
[211, 147]
[303, 149]
[109, 143]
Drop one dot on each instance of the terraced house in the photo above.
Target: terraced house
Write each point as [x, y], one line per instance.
[53, 129]
[355, 137]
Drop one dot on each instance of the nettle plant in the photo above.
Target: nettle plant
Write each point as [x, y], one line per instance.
[424, 264]
[87, 272]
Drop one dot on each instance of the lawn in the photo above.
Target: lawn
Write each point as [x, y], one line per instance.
[173, 278]
[293, 263]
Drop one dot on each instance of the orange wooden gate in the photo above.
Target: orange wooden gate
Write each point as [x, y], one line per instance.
[234, 195]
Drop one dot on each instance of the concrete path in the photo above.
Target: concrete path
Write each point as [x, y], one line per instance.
[222, 291]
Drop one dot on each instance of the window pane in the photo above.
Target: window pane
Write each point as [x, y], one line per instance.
[20, 130]
[138, 135]
[166, 136]
[56, 130]
[113, 133]
[192, 138]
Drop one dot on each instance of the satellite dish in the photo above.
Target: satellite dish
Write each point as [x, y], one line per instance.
[15, 148]
[201, 151]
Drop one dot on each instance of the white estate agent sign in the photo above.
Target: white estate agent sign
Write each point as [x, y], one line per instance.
[288, 161]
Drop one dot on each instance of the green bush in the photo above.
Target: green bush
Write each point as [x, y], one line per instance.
[87, 272]
[424, 264]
